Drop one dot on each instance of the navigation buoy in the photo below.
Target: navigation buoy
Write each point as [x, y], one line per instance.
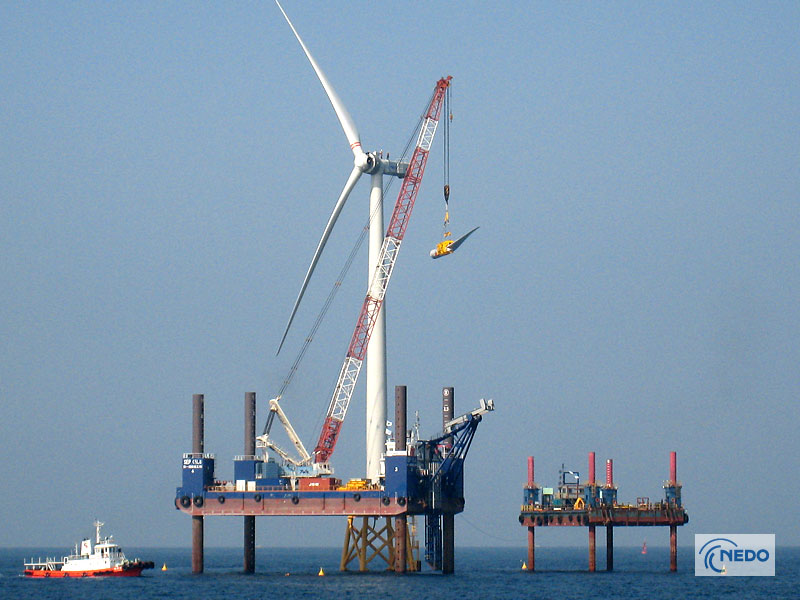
[524, 566]
[164, 567]
[321, 572]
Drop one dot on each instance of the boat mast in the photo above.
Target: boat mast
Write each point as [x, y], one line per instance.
[98, 525]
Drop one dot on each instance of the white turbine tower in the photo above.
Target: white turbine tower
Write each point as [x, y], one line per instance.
[376, 166]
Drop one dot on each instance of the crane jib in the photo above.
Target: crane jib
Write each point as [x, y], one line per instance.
[356, 351]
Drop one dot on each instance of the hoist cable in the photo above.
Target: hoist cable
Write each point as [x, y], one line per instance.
[446, 161]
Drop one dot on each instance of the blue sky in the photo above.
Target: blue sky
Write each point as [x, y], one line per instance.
[166, 170]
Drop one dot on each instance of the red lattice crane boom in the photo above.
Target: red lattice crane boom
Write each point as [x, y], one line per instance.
[357, 349]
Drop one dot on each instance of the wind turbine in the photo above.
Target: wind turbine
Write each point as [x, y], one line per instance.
[376, 166]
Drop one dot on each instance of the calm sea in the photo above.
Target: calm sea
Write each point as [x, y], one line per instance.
[487, 573]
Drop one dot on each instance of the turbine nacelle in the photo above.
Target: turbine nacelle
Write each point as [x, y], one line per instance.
[373, 162]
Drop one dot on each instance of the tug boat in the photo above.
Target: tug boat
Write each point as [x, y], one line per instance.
[106, 559]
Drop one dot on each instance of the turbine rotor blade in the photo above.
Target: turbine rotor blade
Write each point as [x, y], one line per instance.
[351, 182]
[460, 240]
[345, 119]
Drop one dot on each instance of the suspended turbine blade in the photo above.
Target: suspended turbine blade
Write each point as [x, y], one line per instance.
[351, 182]
[454, 246]
[345, 119]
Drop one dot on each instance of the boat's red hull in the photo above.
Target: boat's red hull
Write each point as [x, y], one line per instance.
[131, 571]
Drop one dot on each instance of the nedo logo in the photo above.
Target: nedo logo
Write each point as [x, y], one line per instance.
[734, 554]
